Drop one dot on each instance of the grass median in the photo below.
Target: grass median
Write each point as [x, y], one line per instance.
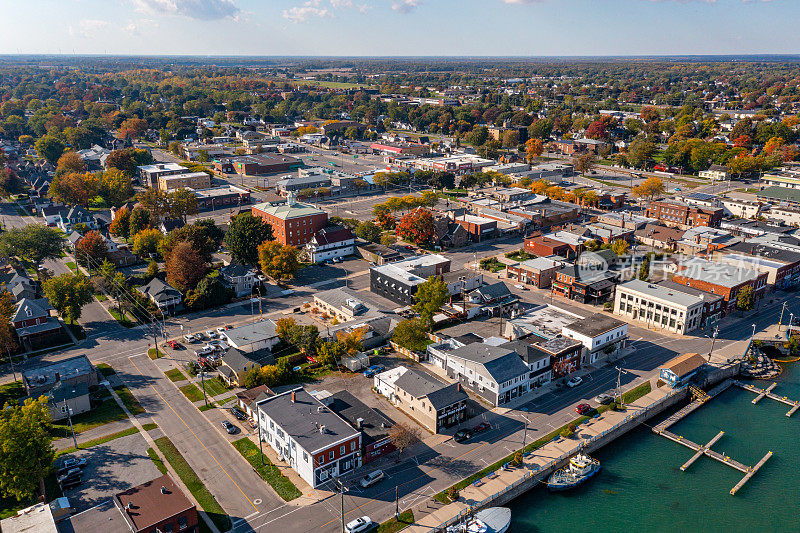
[268, 472]
[206, 500]
[130, 401]
[393, 525]
[175, 375]
[192, 392]
[628, 397]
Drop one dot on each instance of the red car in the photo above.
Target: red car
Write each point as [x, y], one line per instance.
[483, 426]
[173, 344]
[583, 408]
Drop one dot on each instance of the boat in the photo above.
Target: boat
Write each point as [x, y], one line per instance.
[490, 520]
[580, 468]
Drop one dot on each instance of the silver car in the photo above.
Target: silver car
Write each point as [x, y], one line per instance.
[372, 478]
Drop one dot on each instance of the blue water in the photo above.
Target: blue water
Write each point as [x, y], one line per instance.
[641, 487]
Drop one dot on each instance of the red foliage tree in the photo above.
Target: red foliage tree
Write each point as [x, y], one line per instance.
[91, 249]
[417, 226]
[185, 267]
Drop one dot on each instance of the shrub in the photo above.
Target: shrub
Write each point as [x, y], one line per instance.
[452, 493]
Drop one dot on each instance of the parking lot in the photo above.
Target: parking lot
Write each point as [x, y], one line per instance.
[111, 468]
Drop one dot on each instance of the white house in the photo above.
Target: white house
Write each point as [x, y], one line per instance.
[384, 382]
[659, 306]
[740, 208]
[253, 337]
[331, 243]
[601, 335]
[714, 172]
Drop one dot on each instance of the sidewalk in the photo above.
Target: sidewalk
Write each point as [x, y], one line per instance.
[91, 434]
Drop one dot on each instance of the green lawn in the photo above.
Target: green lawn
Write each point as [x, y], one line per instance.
[107, 412]
[393, 525]
[226, 401]
[101, 440]
[268, 472]
[124, 321]
[175, 375]
[129, 400]
[105, 369]
[215, 387]
[152, 353]
[150, 426]
[72, 266]
[192, 392]
[203, 408]
[157, 460]
[206, 500]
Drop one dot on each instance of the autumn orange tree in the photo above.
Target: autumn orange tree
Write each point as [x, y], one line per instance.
[533, 149]
[277, 260]
[91, 249]
[185, 267]
[121, 225]
[74, 187]
[417, 227]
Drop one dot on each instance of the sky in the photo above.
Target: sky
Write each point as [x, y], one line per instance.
[400, 27]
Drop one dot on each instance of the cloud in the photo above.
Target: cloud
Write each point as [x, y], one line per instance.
[308, 10]
[405, 6]
[89, 28]
[194, 9]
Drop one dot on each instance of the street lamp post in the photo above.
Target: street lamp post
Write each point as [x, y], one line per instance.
[713, 340]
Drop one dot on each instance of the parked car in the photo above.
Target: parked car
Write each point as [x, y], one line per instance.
[221, 329]
[238, 413]
[462, 435]
[483, 426]
[359, 525]
[374, 369]
[372, 478]
[574, 382]
[199, 337]
[70, 463]
[230, 428]
[174, 345]
[69, 474]
[211, 334]
[205, 350]
[69, 483]
[604, 399]
[189, 338]
[583, 408]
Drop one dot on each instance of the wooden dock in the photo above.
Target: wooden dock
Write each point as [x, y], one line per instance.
[767, 393]
[701, 450]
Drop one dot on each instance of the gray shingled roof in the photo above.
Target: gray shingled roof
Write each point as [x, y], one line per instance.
[421, 385]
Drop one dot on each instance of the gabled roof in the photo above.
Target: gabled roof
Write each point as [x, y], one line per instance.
[77, 211]
[333, 235]
[493, 291]
[31, 309]
[420, 385]
[159, 291]
[684, 364]
[501, 364]
[235, 270]
[170, 223]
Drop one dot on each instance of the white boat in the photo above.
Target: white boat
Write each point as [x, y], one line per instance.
[580, 468]
[491, 520]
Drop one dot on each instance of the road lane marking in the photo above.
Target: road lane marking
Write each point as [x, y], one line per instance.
[195, 435]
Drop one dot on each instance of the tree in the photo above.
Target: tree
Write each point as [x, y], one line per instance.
[329, 352]
[244, 235]
[284, 327]
[584, 163]
[204, 235]
[429, 298]
[619, 247]
[640, 153]
[410, 333]
[369, 231]
[278, 261]
[649, 188]
[50, 148]
[182, 203]
[26, 448]
[185, 267]
[91, 250]
[510, 138]
[745, 299]
[152, 269]
[533, 149]
[209, 292]
[352, 342]
[68, 293]
[121, 225]
[403, 436]
[70, 162]
[131, 128]
[417, 226]
[115, 186]
[139, 220]
[34, 243]
[74, 187]
[8, 307]
[644, 269]
[146, 242]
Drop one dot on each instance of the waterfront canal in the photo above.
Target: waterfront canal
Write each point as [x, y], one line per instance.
[641, 487]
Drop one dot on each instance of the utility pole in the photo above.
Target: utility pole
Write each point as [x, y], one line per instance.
[260, 442]
[780, 320]
[713, 340]
[203, 384]
[341, 493]
[69, 417]
[396, 502]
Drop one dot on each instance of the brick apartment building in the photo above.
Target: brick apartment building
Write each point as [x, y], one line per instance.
[720, 278]
[195, 180]
[292, 223]
[254, 165]
[543, 246]
[684, 216]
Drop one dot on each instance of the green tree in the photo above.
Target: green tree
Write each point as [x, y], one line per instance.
[209, 292]
[139, 220]
[26, 448]
[619, 247]
[429, 298]
[584, 163]
[68, 293]
[410, 333]
[369, 231]
[644, 269]
[50, 148]
[182, 203]
[204, 235]
[34, 243]
[244, 235]
[745, 299]
[147, 242]
[152, 269]
[115, 186]
[640, 153]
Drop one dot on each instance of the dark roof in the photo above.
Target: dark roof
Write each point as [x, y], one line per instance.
[685, 289]
[595, 325]
[171, 223]
[159, 290]
[532, 348]
[31, 309]
[235, 270]
[500, 364]
[763, 250]
[238, 361]
[494, 291]
[333, 234]
[374, 426]
[149, 504]
[420, 385]
[303, 417]
[468, 338]
[250, 395]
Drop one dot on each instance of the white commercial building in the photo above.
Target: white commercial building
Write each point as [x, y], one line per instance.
[659, 306]
[602, 336]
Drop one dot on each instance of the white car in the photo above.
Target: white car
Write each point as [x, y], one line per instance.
[221, 329]
[372, 478]
[574, 382]
[358, 525]
[211, 334]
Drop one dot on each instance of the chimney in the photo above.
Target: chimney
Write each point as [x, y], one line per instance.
[294, 397]
[58, 376]
[359, 423]
[163, 489]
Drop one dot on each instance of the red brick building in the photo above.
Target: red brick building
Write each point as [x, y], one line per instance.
[292, 223]
[721, 279]
[684, 216]
[542, 246]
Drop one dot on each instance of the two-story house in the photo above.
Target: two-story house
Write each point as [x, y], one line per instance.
[331, 242]
[166, 297]
[242, 279]
[602, 336]
[495, 373]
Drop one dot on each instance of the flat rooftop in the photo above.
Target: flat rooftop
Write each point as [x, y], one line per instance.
[716, 273]
[595, 325]
[660, 292]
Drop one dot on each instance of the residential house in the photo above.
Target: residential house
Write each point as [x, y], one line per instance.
[170, 224]
[34, 320]
[715, 173]
[538, 272]
[248, 399]
[65, 400]
[447, 233]
[495, 373]
[69, 372]
[331, 242]
[659, 306]
[495, 299]
[658, 236]
[313, 440]
[602, 336]
[166, 297]
[75, 215]
[434, 405]
[242, 279]
[235, 364]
